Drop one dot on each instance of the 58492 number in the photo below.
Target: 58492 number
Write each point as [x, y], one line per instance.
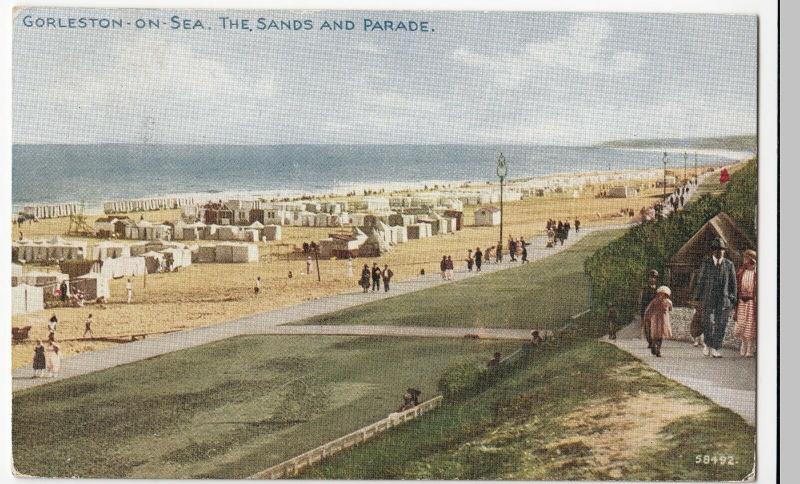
[715, 459]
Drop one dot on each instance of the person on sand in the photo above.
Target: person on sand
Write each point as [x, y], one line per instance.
[308, 265]
[478, 259]
[657, 314]
[386, 275]
[364, 280]
[290, 274]
[87, 331]
[350, 267]
[257, 289]
[745, 313]
[129, 290]
[39, 360]
[577, 225]
[647, 294]
[52, 325]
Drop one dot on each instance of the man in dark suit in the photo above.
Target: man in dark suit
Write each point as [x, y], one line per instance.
[715, 293]
[646, 295]
[376, 277]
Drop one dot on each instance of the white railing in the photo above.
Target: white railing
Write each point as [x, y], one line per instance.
[296, 464]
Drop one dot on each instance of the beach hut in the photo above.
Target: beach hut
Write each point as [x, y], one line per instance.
[204, 254]
[487, 216]
[110, 250]
[92, 285]
[683, 268]
[123, 267]
[272, 232]
[153, 262]
[176, 257]
[236, 253]
[620, 192]
[111, 226]
[26, 299]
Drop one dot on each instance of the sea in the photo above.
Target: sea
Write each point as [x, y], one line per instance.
[91, 174]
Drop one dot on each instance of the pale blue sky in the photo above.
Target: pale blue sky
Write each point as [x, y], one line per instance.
[544, 78]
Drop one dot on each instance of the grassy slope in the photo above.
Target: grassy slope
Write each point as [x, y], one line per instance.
[227, 409]
[541, 294]
[583, 411]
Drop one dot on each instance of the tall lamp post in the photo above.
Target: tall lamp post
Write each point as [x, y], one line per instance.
[685, 157]
[665, 175]
[502, 170]
[695, 168]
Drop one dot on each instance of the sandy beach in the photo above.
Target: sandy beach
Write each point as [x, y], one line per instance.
[204, 294]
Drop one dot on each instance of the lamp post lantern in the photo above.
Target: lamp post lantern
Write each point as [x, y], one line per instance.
[665, 175]
[502, 171]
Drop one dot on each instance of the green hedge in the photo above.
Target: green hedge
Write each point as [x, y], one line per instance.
[617, 271]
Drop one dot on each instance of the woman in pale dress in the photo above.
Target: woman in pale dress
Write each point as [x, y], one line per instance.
[350, 267]
[657, 314]
[53, 360]
[745, 314]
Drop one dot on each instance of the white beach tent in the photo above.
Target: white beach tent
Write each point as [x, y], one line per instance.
[26, 299]
[123, 267]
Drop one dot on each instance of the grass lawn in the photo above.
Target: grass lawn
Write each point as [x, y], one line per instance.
[542, 294]
[227, 409]
[581, 411]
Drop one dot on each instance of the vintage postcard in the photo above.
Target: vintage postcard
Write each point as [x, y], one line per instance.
[338, 244]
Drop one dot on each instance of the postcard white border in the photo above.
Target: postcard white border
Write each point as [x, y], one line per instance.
[768, 176]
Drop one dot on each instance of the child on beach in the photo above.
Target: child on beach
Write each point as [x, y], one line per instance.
[657, 314]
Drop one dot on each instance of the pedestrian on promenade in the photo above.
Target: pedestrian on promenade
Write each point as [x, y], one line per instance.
[524, 249]
[577, 225]
[53, 360]
[478, 259]
[612, 317]
[443, 267]
[364, 281]
[449, 266]
[745, 314]
[716, 292]
[39, 360]
[376, 277]
[257, 289]
[647, 294]
[129, 290]
[551, 238]
[498, 251]
[470, 261]
[387, 277]
[87, 331]
[512, 249]
[657, 315]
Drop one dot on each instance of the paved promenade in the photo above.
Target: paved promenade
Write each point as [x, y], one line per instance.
[729, 381]
[271, 322]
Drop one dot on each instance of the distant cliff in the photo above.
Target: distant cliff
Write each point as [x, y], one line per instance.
[736, 143]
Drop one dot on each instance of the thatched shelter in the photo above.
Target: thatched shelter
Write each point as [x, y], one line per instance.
[684, 266]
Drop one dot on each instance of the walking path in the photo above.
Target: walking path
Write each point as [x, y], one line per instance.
[729, 381]
[271, 322]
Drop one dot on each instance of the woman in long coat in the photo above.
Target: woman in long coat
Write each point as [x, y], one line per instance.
[745, 314]
[39, 361]
[364, 281]
[657, 314]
